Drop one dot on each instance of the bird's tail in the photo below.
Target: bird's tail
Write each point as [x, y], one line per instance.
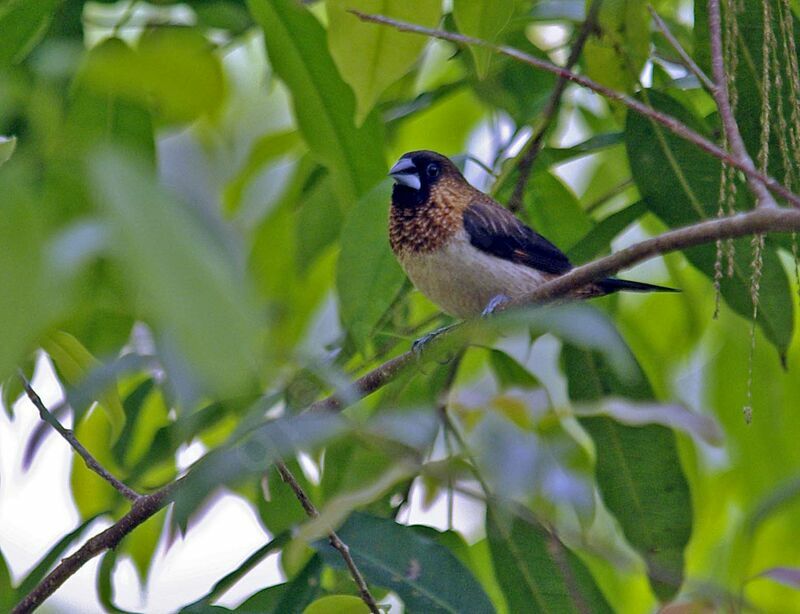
[612, 284]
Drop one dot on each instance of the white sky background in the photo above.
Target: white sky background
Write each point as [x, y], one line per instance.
[36, 507]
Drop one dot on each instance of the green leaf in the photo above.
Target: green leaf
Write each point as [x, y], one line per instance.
[74, 363]
[8, 598]
[537, 572]
[509, 373]
[372, 57]
[7, 146]
[324, 105]
[484, 20]
[92, 494]
[598, 239]
[554, 210]
[27, 309]
[172, 70]
[337, 604]
[289, 598]
[189, 281]
[638, 472]
[237, 574]
[426, 575]
[318, 223]
[680, 184]
[368, 277]
[52, 556]
[23, 24]
[615, 54]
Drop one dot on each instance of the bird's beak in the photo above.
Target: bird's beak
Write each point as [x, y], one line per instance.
[405, 173]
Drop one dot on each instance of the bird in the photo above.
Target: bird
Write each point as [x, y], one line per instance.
[466, 252]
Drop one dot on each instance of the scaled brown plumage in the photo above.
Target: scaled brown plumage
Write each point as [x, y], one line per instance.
[462, 249]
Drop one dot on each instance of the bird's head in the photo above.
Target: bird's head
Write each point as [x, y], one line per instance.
[417, 173]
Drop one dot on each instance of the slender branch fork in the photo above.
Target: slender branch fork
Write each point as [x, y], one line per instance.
[67, 434]
[670, 123]
[550, 110]
[761, 220]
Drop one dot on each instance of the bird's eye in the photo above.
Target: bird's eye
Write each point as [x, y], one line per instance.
[432, 170]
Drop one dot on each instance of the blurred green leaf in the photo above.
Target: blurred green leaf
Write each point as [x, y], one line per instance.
[174, 70]
[188, 282]
[615, 54]
[27, 305]
[788, 576]
[638, 472]
[23, 24]
[289, 598]
[7, 146]
[73, 363]
[680, 184]
[92, 494]
[323, 104]
[537, 572]
[512, 85]
[318, 223]
[223, 14]
[509, 373]
[264, 150]
[372, 57]
[8, 597]
[337, 604]
[237, 574]
[484, 20]
[598, 239]
[53, 556]
[554, 210]
[426, 576]
[368, 277]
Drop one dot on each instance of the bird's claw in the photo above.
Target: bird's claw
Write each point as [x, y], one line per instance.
[493, 304]
[419, 345]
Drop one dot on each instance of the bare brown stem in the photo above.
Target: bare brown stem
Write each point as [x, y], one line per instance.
[550, 110]
[670, 123]
[143, 508]
[91, 461]
[721, 96]
[333, 538]
[687, 60]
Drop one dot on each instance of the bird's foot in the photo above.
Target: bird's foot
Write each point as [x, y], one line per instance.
[419, 345]
[496, 302]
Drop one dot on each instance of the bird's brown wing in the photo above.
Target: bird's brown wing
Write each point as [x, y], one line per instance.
[498, 232]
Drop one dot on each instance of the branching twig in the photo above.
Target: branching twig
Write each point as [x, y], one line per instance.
[69, 435]
[687, 60]
[333, 538]
[551, 109]
[720, 91]
[672, 124]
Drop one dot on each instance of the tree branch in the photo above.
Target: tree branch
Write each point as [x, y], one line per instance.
[551, 108]
[333, 538]
[670, 123]
[721, 96]
[91, 461]
[143, 508]
[687, 60]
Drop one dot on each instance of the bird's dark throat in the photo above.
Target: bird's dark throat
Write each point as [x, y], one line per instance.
[407, 197]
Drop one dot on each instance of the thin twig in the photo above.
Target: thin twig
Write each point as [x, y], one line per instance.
[720, 91]
[550, 110]
[69, 435]
[143, 508]
[687, 60]
[333, 538]
[672, 124]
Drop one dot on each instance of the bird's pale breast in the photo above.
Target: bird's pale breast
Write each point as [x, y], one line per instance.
[462, 279]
